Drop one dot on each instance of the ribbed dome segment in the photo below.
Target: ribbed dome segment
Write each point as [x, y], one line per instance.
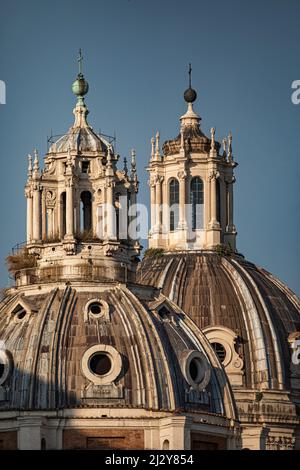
[49, 343]
[81, 139]
[233, 293]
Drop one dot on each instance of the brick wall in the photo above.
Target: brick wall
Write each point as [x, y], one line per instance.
[9, 440]
[103, 439]
[205, 442]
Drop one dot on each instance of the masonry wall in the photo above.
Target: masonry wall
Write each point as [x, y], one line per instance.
[204, 442]
[103, 439]
[9, 440]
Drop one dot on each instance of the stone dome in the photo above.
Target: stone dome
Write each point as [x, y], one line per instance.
[80, 139]
[233, 301]
[106, 345]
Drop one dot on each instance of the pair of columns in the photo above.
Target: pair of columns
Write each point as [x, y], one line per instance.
[156, 202]
[38, 214]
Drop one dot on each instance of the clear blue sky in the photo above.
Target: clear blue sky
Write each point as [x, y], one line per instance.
[245, 55]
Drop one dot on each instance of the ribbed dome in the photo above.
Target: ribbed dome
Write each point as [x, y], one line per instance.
[53, 338]
[230, 292]
[196, 140]
[81, 139]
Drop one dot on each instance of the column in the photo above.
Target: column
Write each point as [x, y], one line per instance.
[158, 202]
[50, 224]
[133, 216]
[230, 205]
[69, 210]
[182, 199]
[60, 216]
[110, 212]
[44, 217]
[29, 216]
[36, 214]
[213, 198]
[207, 202]
[152, 203]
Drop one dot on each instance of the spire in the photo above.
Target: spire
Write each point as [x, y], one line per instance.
[213, 152]
[125, 169]
[224, 143]
[190, 75]
[29, 173]
[152, 148]
[80, 88]
[157, 149]
[190, 95]
[109, 165]
[133, 165]
[36, 166]
[230, 156]
[190, 118]
[80, 60]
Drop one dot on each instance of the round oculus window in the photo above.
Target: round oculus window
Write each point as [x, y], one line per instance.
[2, 369]
[21, 314]
[196, 370]
[5, 365]
[95, 308]
[100, 364]
[219, 350]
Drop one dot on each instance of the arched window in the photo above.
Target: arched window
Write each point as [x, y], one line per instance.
[197, 200]
[173, 203]
[166, 444]
[86, 211]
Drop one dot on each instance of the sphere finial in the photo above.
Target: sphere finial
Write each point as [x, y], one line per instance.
[190, 94]
[80, 87]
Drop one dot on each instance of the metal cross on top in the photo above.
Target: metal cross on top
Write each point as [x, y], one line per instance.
[80, 60]
[190, 75]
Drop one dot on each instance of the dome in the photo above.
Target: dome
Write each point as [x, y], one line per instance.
[106, 346]
[196, 140]
[232, 299]
[79, 138]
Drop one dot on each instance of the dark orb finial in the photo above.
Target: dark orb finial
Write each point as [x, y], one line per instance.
[190, 94]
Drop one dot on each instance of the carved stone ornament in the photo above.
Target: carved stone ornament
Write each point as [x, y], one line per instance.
[214, 174]
[182, 175]
[50, 198]
[230, 179]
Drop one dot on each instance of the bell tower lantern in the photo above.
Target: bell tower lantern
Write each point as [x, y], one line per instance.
[191, 186]
[80, 205]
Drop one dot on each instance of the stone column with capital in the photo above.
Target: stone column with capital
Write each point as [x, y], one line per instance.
[230, 225]
[110, 212]
[152, 204]
[69, 210]
[44, 217]
[230, 233]
[28, 195]
[133, 216]
[158, 202]
[213, 200]
[182, 199]
[36, 213]
[213, 233]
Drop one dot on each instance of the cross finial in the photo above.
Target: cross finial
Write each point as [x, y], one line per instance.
[80, 60]
[190, 75]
